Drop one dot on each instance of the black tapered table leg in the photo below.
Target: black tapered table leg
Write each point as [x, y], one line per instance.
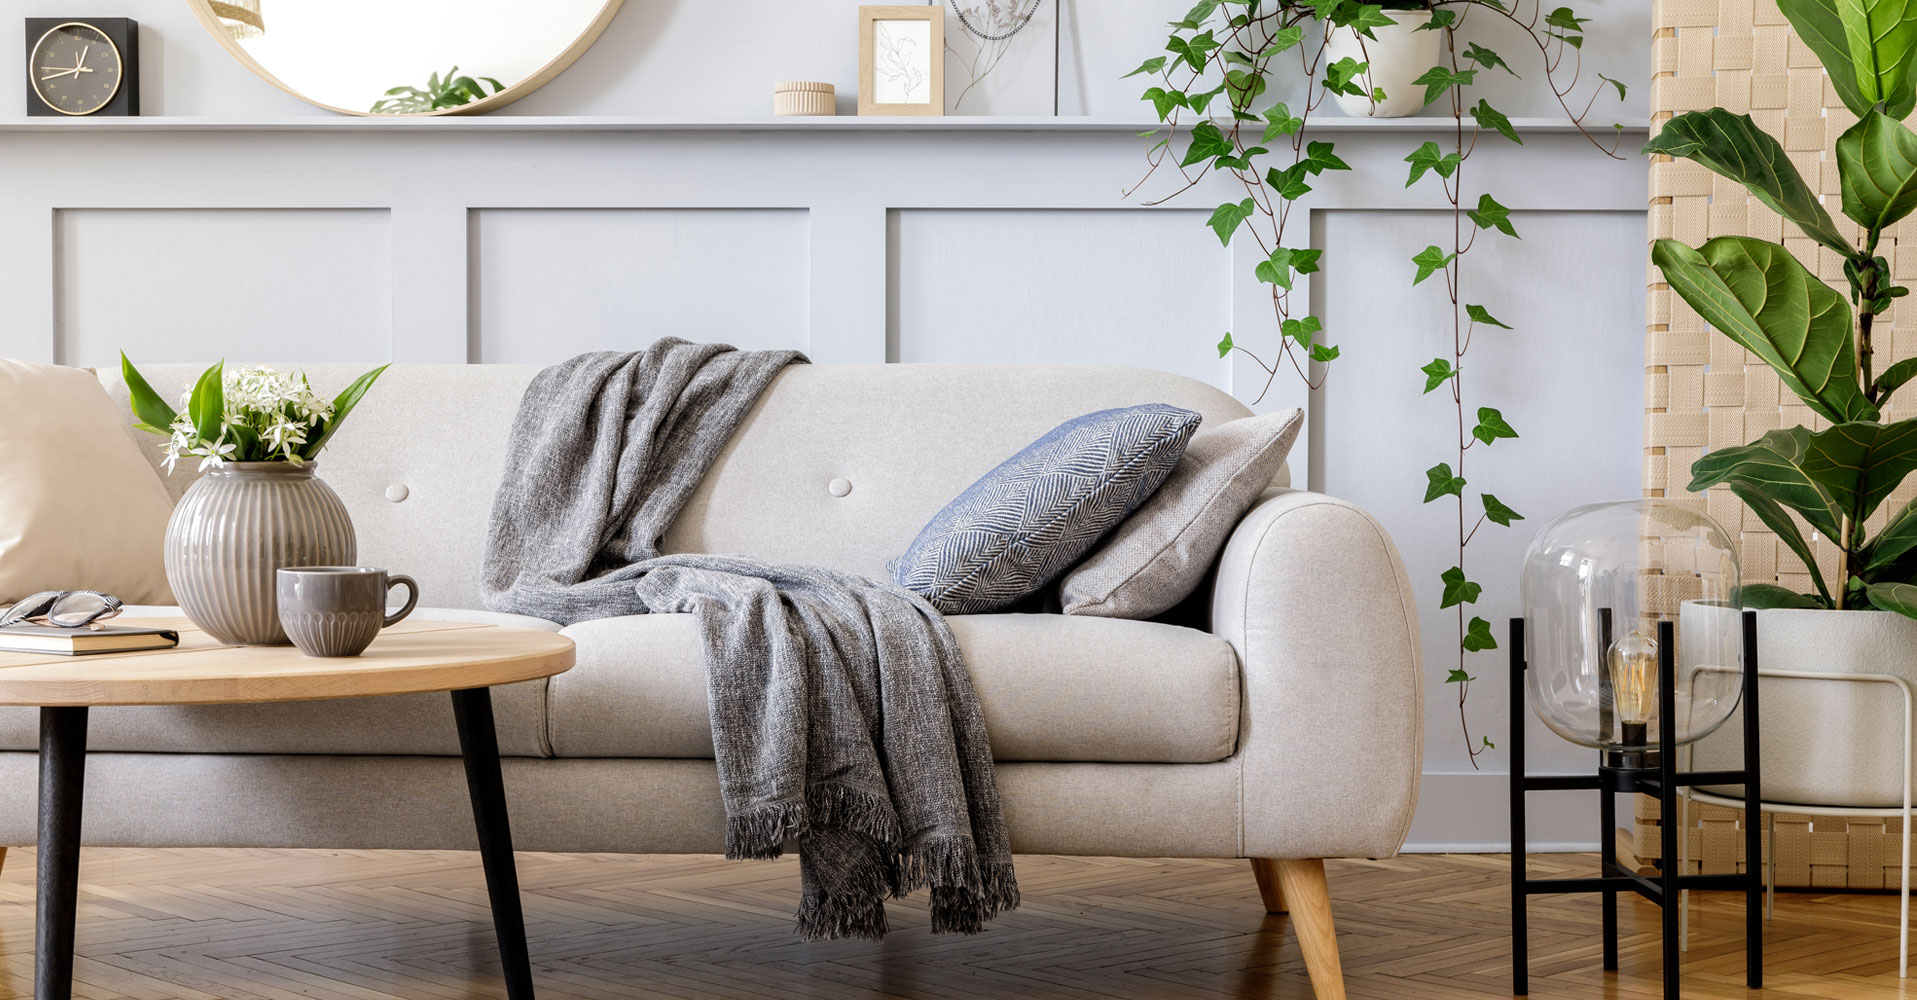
[479, 745]
[63, 763]
[1607, 850]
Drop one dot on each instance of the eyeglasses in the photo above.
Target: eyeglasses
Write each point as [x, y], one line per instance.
[63, 608]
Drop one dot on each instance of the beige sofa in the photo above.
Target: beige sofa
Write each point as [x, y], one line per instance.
[1289, 731]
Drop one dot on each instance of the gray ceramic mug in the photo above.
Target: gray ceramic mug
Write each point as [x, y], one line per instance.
[338, 610]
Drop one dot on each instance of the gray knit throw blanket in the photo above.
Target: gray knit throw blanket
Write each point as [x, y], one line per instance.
[843, 717]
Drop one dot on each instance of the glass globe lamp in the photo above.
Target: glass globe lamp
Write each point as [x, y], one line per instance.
[1606, 587]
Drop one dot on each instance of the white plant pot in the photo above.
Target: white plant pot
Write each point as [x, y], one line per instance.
[1399, 55]
[1825, 742]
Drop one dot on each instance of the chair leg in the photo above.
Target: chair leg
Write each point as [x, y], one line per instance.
[1266, 871]
[3, 859]
[1303, 883]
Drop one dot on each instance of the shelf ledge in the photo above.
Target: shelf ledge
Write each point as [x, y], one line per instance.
[841, 123]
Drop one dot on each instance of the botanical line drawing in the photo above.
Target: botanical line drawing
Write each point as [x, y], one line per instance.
[898, 63]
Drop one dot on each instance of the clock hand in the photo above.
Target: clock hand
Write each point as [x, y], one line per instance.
[56, 74]
[80, 61]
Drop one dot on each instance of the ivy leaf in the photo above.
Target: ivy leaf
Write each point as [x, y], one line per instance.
[1289, 182]
[1282, 123]
[1488, 59]
[1488, 745]
[1301, 330]
[1619, 84]
[1282, 39]
[1245, 87]
[1152, 65]
[1278, 269]
[1497, 513]
[1439, 79]
[1340, 76]
[1199, 102]
[1319, 158]
[1491, 215]
[1442, 483]
[1491, 426]
[1430, 261]
[1192, 50]
[1478, 637]
[1226, 218]
[1225, 345]
[1489, 117]
[1207, 141]
[1457, 676]
[1440, 19]
[1457, 589]
[1238, 161]
[1430, 157]
[1322, 353]
[1437, 373]
[1165, 100]
[1480, 314]
[1197, 15]
[1565, 18]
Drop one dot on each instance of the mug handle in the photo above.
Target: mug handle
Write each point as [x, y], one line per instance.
[412, 598]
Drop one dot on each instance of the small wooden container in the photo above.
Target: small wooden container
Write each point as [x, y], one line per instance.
[803, 97]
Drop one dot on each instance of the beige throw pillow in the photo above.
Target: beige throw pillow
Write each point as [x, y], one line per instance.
[1158, 556]
[80, 509]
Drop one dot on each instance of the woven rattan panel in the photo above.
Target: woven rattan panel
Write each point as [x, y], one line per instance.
[1702, 391]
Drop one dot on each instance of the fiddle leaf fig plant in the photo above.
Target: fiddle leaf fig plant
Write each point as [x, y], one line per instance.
[1818, 338]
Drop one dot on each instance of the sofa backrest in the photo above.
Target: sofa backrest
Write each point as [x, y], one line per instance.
[418, 461]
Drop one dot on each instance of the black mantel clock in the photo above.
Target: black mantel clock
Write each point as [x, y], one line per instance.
[83, 66]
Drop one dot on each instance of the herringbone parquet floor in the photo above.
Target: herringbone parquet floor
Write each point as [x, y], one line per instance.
[368, 925]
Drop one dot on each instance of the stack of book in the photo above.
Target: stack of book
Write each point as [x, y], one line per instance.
[82, 641]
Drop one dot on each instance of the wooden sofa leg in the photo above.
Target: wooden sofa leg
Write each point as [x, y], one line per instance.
[1265, 870]
[3, 859]
[1303, 884]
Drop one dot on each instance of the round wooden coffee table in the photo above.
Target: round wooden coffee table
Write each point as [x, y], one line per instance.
[412, 657]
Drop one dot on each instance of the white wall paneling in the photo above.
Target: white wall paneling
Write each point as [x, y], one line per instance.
[552, 282]
[531, 239]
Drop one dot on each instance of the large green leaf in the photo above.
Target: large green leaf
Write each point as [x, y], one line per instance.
[1758, 295]
[153, 411]
[1877, 164]
[342, 405]
[1881, 36]
[1775, 518]
[1733, 146]
[1773, 466]
[1860, 463]
[1822, 30]
[1897, 538]
[207, 404]
[1770, 595]
[1898, 597]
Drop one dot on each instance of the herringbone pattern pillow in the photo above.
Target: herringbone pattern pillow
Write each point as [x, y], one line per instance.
[1025, 522]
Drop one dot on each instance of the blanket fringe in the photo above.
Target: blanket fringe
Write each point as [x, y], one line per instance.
[833, 919]
[964, 894]
[760, 834]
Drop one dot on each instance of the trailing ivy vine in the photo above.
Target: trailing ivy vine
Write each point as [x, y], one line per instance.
[1207, 89]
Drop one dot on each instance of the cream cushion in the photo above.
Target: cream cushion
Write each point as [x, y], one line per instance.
[1160, 554]
[80, 509]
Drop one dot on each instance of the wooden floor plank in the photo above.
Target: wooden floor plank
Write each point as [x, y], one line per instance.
[383, 925]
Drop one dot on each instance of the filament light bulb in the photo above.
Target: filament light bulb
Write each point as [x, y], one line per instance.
[1633, 663]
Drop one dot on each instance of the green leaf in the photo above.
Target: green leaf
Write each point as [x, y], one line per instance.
[1489, 117]
[1770, 595]
[1822, 30]
[1877, 168]
[1207, 141]
[342, 405]
[1282, 39]
[1488, 59]
[1240, 160]
[1301, 330]
[1881, 36]
[1225, 345]
[1898, 537]
[1773, 466]
[1289, 182]
[1199, 102]
[1894, 377]
[1478, 637]
[1774, 517]
[1369, 16]
[1226, 218]
[1457, 676]
[1430, 261]
[1430, 157]
[1440, 482]
[1860, 463]
[1165, 100]
[1732, 146]
[1152, 65]
[1192, 50]
[1440, 19]
[1758, 295]
[1341, 76]
[148, 405]
[1437, 373]
[207, 404]
[1480, 314]
[1323, 353]
[1497, 513]
[1282, 123]
[1458, 590]
[1195, 19]
[1245, 87]
[1898, 597]
[1619, 84]
[1319, 158]
[1491, 215]
[1439, 79]
[1491, 426]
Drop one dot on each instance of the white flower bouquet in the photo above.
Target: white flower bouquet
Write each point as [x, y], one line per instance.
[244, 415]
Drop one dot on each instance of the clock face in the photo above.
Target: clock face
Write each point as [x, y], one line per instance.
[75, 69]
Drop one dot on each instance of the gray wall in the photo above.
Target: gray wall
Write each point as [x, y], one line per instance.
[245, 234]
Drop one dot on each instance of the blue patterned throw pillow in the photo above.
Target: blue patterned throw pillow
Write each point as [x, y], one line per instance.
[1031, 518]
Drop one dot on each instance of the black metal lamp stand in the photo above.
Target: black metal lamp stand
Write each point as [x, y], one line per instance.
[1630, 772]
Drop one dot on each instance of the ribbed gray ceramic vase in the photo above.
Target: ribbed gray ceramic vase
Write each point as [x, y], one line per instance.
[235, 528]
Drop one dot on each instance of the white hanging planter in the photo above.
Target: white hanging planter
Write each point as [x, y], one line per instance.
[1398, 55]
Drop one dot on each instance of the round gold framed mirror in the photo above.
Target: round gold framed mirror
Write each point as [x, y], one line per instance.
[406, 57]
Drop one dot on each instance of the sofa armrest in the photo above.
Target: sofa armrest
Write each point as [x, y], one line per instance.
[1311, 593]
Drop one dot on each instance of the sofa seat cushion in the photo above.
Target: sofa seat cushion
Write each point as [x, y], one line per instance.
[1052, 687]
[411, 724]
